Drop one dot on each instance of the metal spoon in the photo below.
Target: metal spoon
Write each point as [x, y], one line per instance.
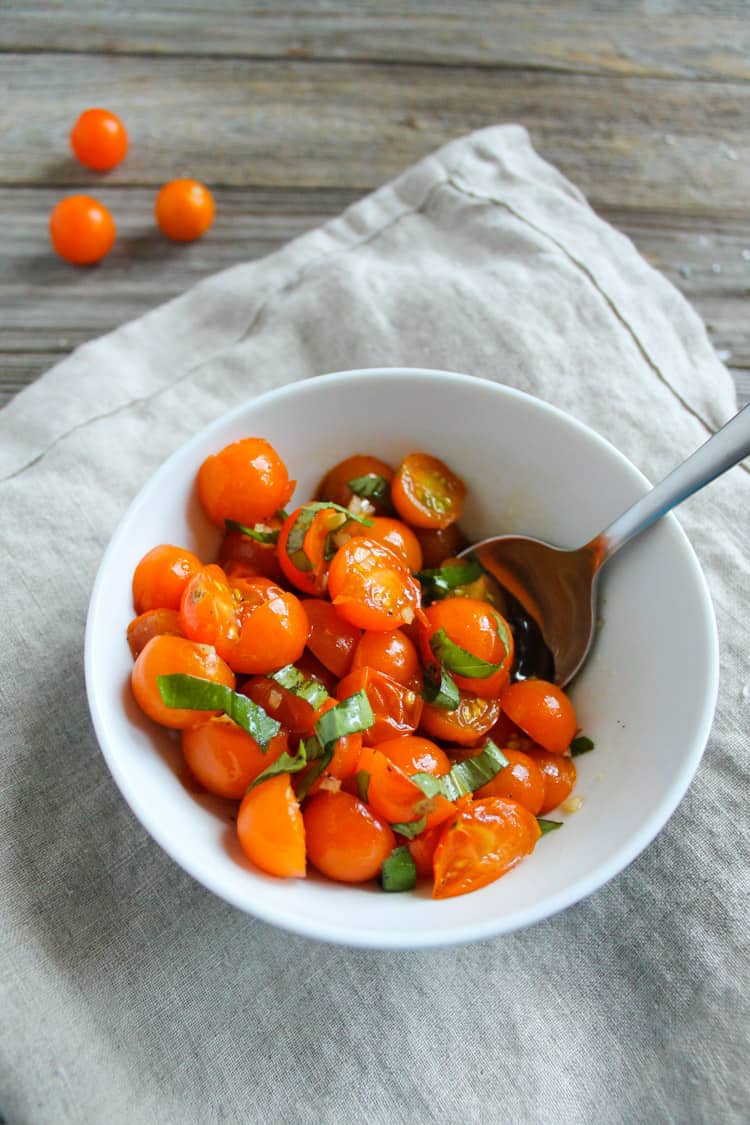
[557, 588]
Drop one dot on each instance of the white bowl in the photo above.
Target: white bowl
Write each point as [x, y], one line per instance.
[646, 696]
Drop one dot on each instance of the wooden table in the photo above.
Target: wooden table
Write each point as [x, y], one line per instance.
[291, 111]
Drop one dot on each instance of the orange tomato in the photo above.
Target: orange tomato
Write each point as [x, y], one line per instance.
[543, 711]
[293, 712]
[271, 830]
[184, 210]
[161, 576]
[150, 624]
[164, 656]
[332, 640]
[521, 781]
[559, 773]
[396, 708]
[483, 841]
[440, 543]
[478, 629]
[422, 849]
[82, 230]
[99, 139]
[208, 613]
[273, 627]
[394, 534]
[426, 493]
[335, 484]
[413, 754]
[394, 796]
[345, 840]
[243, 557]
[371, 587]
[226, 759]
[246, 482]
[465, 725]
[392, 653]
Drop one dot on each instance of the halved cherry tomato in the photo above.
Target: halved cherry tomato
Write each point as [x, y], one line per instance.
[521, 781]
[394, 796]
[302, 547]
[559, 774]
[273, 627]
[331, 639]
[394, 534]
[225, 758]
[312, 669]
[165, 656]
[392, 653]
[246, 482]
[335, 484]
[397, 708]
[478, 629]
[99, 139]
[422, 849]
[243, 557]
[440, 543]
[543, 711]
[271, 830]
[81, 230]
[184, 210]
[152, 623]
[345, 840]
[293, 712]
[208, 611]
[371, 587]
[161, 576]
[426, 493]
[482, 842]
[465, 725]
[413, 754]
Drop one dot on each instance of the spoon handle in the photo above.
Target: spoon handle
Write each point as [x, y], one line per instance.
[721, 452]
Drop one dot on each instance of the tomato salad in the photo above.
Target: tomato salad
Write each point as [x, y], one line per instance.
[347, 679]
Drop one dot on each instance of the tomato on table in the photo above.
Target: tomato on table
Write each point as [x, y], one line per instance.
[165, 656]
[99, 139]
[152, 623]
[346, 840]
[226, 759]
[392, 653]
[371, 587]
[479, 631]
[521, 781]
[335, 484]
[483, 841]
[161, 576]
[273, 626]
[466, 724]
[559, 773]
[543, 711]
[82, 230]
[246, 482]
[426, 493]
[332, 639]
[208, 612]
[271, 829]
[397, 709]
[184, 210]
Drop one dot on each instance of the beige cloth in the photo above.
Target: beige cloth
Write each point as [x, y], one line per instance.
[131, 994]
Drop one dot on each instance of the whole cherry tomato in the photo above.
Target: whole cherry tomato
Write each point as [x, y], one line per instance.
[466, 724]
[371, 587]
[559, 773]
[165, 656]
[82, 230]
[273, 627]
[208, 612]
[394, 534]
[271, 830]
[99, 139]
[152, 623]
[184, 210]
[479, 630]
[397, 709]
[332, 640]
[226, 759]
[521, 780]
[426, 493]
[246, 482]
[161, 576]
[413, 754]
[543, 711]
[345, 840]
[392, 653]
[335, 484]
[483, 841]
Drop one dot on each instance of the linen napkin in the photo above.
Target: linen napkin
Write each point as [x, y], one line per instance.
[131, 994]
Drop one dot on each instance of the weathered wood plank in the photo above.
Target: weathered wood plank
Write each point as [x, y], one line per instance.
[663, 146]
[676, 39]
[49, 307]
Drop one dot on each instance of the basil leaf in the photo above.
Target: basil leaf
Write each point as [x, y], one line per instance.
[548, 825]
[440, 692]
[251, 533]
[581, 745]
[285, 763]
[348, 717]
[194, 693]
[458, 660]
[437, 583]
[372, 487]
[410, 828]
[318, 758]
[362, 779]
[464, 777]
[293, 680]
[399, 871]
[296, 538]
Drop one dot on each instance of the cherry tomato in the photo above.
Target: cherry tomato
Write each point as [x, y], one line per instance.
[225, 758]
[521, 781]
[397, 708]
[82, 230]
[293, 712]
[246, 482]
[392, 653]
[469, 722]
[164, 656]
[371, 587]
[152, 623]
[99, 139]
[394, 796]
[483, 841]
[413, 754]
[345, 840]
[312, 669]
[302, 547]
[478, 629]
[271, 830]
[243, 557]
[184, 210]
[273, 627]
[543, 711]
[394, 534]
[426, 493]
[422, 849]
[335, 484]
[208, 613]
[161, 576]
[332, 640]
[440, 543]
[559, 773]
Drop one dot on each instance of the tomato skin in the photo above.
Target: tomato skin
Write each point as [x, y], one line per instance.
[82, 230]
[426, 493]
[99, 140]
[207, 611]
[440, 543]
[543, 711]
[474, 626]
[394, 796]
[314, 581]
[273, 627]
[413, 754]
[184, 210]
[161, 576]
[243, 557]
[520, 781]
[271, 830]
[226, 759]
[422, 849]
[246, 482]
[335, 486]
[332, 640]
[152, 623]
[469, 722]
[371, 587]
[166, 655]
[397, 709]
[394, 534]
[559, 773]
[392, 653]
[293, 712]
[345, 840]
[483, 841]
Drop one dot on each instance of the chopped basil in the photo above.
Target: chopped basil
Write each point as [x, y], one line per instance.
[458, 660]
[581, 745]
[548, 825]
[410, 828]
[439, 582]
[300, 527]
[372, 487]
[251, 533]
[351, 715]
[293, 680]
[318, 758]
[464, 777]
[362, 779]
[440, 692]
[285, 763]
[399, 871]
[196, 694]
